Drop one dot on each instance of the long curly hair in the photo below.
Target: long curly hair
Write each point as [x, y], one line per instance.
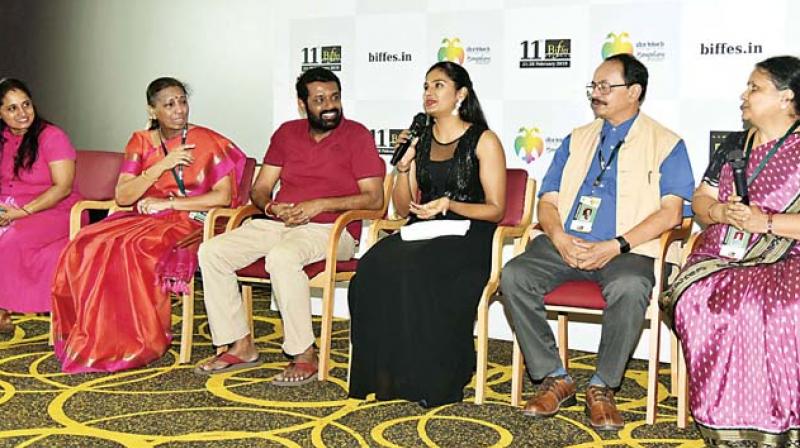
[29, 148]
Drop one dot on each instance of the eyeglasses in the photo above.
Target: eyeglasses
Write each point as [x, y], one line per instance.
[603, 87]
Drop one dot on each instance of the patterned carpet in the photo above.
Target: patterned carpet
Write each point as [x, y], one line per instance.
[167, 405]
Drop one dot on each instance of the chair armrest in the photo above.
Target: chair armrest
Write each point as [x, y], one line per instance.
[214, 215]
[679, 233]
[383, 224]
[242, 213]
[501, 234]
[81, 206]
[341, 224]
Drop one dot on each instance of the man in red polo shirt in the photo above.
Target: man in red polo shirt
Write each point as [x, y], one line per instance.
[326, 164]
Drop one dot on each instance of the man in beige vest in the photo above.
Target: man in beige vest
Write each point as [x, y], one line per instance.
[613, 187]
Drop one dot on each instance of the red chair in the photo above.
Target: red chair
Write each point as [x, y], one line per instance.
[585, 297]
[97, 173]
[322, 274]
[520, 192]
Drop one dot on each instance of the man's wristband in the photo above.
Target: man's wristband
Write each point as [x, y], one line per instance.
[624, 245]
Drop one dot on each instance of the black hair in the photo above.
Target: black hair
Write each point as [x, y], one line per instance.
[633, 71]
[785, 74]
[470, 110]
[316, 74]
[157, 86]
[29, 147]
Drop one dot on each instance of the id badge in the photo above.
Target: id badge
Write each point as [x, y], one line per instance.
[198, 216]
[585, 214]
[734, 245]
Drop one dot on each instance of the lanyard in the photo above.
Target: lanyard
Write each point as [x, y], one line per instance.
[178, 176]
[603, 164]
[769, 155]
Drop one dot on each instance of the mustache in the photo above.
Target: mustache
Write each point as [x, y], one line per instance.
[596, 102]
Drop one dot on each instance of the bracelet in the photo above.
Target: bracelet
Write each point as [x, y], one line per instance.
[26, 211]
[403, 171]
[769, 223]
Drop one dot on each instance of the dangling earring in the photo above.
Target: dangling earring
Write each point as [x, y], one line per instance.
[457, 108]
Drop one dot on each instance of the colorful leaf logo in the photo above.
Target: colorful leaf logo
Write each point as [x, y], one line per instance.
[451, 50]
[616, 44]
[528, 144]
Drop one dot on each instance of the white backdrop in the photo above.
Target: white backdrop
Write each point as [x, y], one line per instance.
[530, 61]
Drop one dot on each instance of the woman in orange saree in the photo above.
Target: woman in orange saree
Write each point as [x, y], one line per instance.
[111, 308]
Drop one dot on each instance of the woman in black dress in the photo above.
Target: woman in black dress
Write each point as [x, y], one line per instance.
[413, 303]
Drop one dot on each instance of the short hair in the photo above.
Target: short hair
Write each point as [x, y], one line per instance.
[785, 74]
[156, 86]
[633, 71]
[316, 74]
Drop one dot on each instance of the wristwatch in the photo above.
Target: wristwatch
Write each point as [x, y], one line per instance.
[624, 245]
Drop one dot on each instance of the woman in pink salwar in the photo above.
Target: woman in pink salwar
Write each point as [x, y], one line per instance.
[37, 170]
[736, 306]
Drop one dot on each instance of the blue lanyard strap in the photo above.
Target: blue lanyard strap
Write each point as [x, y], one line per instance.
[603, 164]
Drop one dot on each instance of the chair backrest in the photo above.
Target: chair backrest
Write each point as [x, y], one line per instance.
[519, 198]
[96, 173]
[246, 184]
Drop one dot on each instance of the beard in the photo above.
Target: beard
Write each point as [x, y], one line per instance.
[320, 124]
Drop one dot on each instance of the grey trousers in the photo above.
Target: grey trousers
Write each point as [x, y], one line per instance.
[626, 281]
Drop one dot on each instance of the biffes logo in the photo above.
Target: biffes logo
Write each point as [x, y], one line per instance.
[556, 54]
[451, 50]
[385, 139]
[616, 44]
[529, 145]
[329, 56]
[644, 50]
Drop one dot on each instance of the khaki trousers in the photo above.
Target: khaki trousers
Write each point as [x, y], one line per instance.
[287, 250]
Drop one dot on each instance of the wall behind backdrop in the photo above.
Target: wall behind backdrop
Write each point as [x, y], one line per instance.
[89, 61]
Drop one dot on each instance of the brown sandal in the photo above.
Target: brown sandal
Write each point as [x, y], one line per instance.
[6, 325]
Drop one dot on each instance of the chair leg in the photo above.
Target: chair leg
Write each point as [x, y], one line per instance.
[349, 364]
[187, 325]
[683, 391]
[52, 336]
[673, 365]
[247, 299]
[325, 332]
[652, 371]
[517, 372]
[482, 349]
[563, 339]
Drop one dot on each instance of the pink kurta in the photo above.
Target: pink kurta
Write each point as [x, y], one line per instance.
[30, 246]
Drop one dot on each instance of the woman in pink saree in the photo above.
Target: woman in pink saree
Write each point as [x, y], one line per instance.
[111, 308]
[736, 304]
[37, 175]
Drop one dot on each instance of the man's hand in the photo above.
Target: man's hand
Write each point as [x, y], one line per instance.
[597, 255]
[297, 214]
[570, 248]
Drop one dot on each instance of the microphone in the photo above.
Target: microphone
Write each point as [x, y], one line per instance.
[739, 164]
[184, 131]
[420, 120]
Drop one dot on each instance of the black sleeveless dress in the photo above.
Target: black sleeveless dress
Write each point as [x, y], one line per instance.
[413, 303]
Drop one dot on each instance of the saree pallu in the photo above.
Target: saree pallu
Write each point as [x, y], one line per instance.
[110, 308]
[739, 321]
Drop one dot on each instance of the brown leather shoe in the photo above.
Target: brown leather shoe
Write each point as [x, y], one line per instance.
[552, 393]
[602, 410]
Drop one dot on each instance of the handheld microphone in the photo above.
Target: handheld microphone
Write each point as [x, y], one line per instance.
[420, 120]
[739, 164]
[184, 132]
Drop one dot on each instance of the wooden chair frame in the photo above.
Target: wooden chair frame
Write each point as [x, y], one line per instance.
[653, 314]
[325, 280]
